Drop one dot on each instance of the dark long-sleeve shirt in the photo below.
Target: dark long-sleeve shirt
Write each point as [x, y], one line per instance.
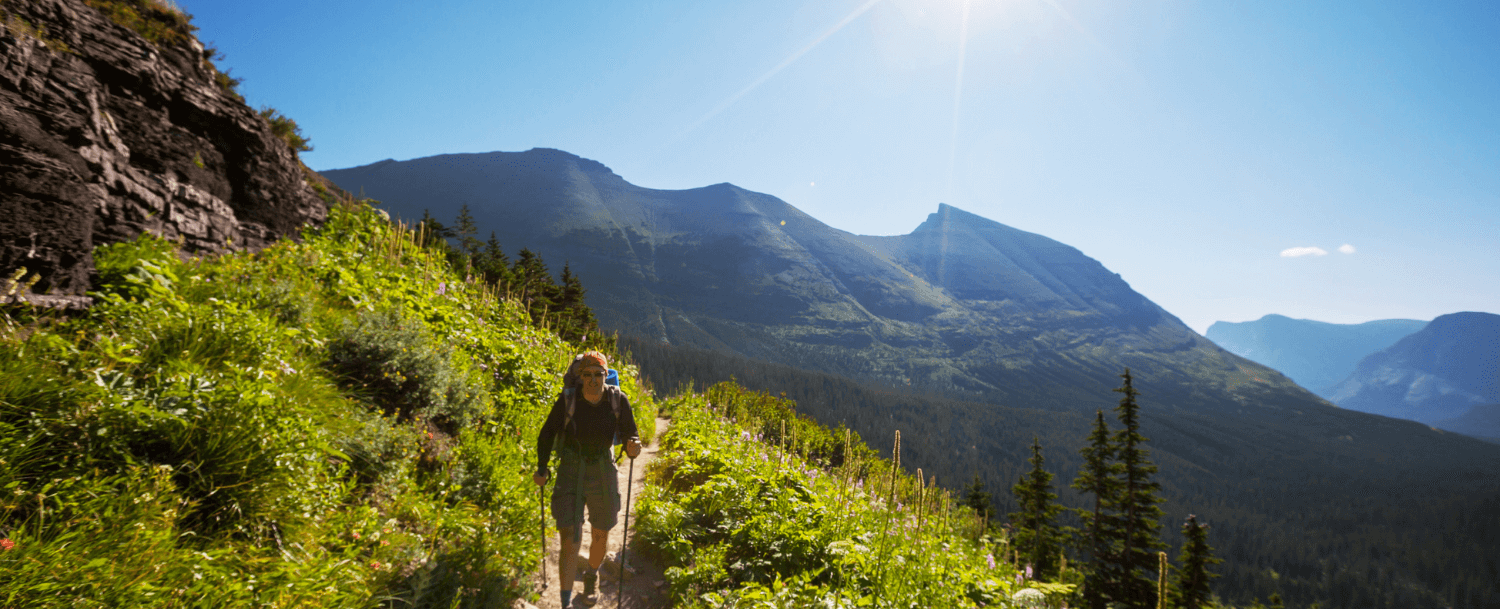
[593, 430]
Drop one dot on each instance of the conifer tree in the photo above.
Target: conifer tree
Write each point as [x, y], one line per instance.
[495, 265]
[576, 319]
[465, 230]
[1192, 591]
[1140, 516]
[535, 285]
[978, 499]
[1099, 476]
[1038, 538]
[432, 233]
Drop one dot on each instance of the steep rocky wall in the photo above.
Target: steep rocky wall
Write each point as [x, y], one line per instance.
[104, 134]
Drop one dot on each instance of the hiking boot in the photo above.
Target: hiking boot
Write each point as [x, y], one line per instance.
[590, 585]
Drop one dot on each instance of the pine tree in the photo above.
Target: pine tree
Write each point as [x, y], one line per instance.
[1138, 510]
[978, 499]
[575, 319]
[464, 229]
[432, 233]
[1038, 539]
[1099, 476]
[494, 265]
[1192, 590]
[535, 285]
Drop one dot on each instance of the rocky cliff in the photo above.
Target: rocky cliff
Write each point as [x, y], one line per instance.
[105, 133]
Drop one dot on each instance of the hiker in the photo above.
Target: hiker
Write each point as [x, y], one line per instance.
[587, 420]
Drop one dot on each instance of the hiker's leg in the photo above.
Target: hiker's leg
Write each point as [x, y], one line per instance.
[598, 545]
[603, 498]
[567, 561]
[569, 517]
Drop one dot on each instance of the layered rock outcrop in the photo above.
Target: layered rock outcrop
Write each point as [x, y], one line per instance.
[105, 134]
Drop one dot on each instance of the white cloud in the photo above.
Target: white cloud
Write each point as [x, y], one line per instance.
[1293, 252]
[1346, 248]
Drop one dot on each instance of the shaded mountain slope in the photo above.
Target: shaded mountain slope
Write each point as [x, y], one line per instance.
[1438, 373]
[1482, 421]
[963, 306]
[1315, 354]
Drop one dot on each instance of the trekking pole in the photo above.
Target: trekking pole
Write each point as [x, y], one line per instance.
[625, 540]
[541, 568]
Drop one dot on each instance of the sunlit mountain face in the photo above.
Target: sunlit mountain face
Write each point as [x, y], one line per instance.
[962, 305]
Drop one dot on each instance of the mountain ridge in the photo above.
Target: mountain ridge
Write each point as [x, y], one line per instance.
[1436, 374]
[1318, 355]
[956, 306]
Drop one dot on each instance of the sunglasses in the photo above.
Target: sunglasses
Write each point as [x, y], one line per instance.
[592, 375]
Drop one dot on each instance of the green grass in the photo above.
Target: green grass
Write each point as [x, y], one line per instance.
[162, 23]
[751, 520]
[340, 421]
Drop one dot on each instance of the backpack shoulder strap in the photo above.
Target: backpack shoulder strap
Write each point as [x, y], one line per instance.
[570, 403]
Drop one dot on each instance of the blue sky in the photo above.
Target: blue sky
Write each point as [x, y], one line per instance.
[1192, 147]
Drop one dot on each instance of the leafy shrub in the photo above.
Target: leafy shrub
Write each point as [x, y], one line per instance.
[379, 452]
[399, 368]
[129, 268]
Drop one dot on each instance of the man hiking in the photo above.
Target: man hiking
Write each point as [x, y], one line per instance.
[586, 421]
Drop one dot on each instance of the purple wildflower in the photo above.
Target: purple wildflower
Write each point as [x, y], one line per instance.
[990, 558]
[442, 287]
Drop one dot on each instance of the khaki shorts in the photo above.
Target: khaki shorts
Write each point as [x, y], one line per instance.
[600, 494]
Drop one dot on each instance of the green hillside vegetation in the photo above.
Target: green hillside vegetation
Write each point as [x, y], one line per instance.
[1280, 498]
[337, 422]
[753, 506]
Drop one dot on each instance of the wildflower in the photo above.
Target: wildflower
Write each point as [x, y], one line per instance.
[1030, 597]
[356, 534]
[990, 558]
[375, 565]
[442, 287]
[1028, 571]
[7, 545]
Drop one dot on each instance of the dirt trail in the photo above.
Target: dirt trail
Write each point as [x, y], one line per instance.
[641, 591]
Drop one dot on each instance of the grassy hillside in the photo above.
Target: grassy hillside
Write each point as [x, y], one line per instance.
[340, 421]
[1333, 507]
[752, 506]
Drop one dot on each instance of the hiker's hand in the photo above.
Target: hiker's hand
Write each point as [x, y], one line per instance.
[633, 448]
[540, 479]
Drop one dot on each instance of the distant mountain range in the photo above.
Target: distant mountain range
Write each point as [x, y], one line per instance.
[1435, 376]
[963, 306]
[1445, 373]
[1317, 355]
